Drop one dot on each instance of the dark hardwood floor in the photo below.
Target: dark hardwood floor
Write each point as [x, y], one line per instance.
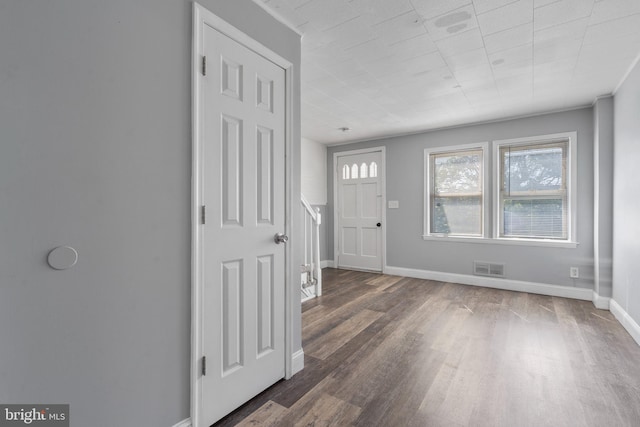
[392, 351]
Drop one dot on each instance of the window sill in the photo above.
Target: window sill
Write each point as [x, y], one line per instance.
[489, 241]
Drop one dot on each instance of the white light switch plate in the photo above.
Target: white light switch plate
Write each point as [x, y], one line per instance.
[393, 204]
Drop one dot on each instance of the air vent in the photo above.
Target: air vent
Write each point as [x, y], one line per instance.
[481, 268]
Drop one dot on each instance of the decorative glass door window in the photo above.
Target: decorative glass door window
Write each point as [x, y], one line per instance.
[363, 171]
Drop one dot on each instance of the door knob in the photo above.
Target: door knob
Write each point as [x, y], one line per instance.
[280, 238]
[379, 224]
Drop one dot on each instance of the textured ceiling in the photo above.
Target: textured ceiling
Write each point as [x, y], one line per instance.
[387, 67]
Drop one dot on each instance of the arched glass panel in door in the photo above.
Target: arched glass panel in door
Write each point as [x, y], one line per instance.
[364, 173]
[345, 172]
[373, 170]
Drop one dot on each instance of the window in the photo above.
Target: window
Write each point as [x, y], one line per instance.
[363, 171]
[455, 180]
[373, 170]
[534, 188]
[351, 172]
[532, 182]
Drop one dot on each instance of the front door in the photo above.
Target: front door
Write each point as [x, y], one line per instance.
[359, 203]
[243, 193]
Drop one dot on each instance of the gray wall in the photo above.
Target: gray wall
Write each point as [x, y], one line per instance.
[603, 195]
[95, 152]
[626, 196]
[314, 184]
[405, 246]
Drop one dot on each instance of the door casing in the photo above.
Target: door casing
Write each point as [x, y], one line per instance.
[383, 184]
[202, 16]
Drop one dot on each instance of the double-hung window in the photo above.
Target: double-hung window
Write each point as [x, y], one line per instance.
[532, 182]
[455, 201]
[534, 188]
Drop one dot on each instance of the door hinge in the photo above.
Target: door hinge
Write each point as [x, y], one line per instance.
[204, 365]
[203, 213]
[204, 65]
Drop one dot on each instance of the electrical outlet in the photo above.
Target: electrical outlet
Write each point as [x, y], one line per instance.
[574, 272]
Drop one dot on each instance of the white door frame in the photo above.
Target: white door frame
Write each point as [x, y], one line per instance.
[383, 185]
[202, 16]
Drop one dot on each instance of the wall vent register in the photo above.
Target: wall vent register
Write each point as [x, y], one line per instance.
[481, 268]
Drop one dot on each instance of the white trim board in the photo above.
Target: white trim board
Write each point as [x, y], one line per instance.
[309, 298]
[603, 303]
[488, 282]
[626, 320]
[625, 76]
[327, 264]
[297, 363]
[183, 423]
[281, 19]
[463, 125]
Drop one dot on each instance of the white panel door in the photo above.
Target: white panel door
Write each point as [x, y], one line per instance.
[242, 170]
[359, 197]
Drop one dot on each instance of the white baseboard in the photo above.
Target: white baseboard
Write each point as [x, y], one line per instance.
[326, 264]
[297, 362]
[183, 423]
[297, 365]
[489, 282]
[601, 302]
[307, 298]
[627, 321]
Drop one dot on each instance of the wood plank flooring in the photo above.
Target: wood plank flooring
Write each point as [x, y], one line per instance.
[392, 351]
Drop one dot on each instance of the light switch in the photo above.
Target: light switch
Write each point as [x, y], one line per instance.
[393, 204]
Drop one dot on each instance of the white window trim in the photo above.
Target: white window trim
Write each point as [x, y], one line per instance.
[426, 235]
[547, 243]
[571, 174]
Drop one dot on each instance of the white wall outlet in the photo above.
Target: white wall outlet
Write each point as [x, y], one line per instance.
[394, 204]
[574, 272]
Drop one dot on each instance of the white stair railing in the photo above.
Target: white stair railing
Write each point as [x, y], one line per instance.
[311, 271]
